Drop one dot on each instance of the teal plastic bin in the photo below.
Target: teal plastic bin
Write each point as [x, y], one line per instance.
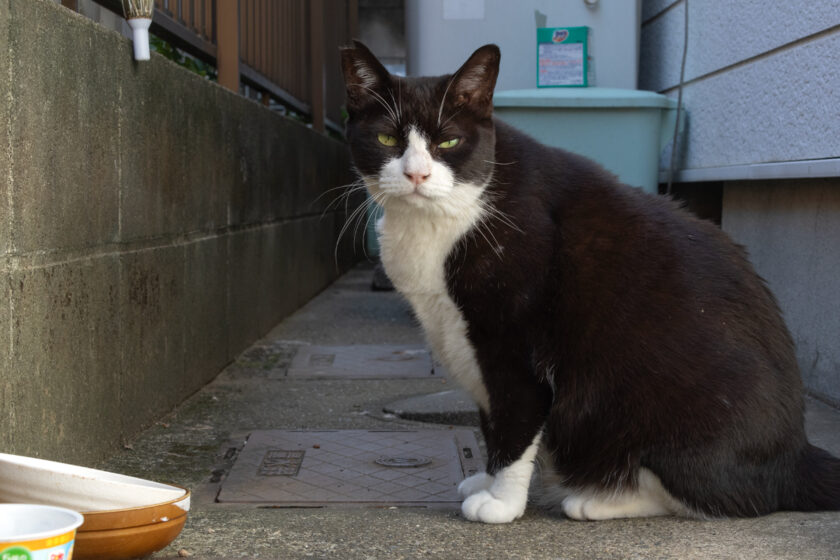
[374, 212]
[624, 130]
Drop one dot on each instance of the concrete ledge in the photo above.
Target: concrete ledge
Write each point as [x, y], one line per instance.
[806, 169]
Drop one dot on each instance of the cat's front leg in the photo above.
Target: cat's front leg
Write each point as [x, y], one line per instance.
[506, 495]
[475, 484]
[512, 428]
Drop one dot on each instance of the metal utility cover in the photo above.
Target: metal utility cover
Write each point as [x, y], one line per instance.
[352, 467]
[362, 362]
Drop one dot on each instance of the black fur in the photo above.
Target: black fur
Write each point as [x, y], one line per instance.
[664, 348]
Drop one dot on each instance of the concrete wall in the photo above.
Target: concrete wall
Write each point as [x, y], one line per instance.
[152, 225]
[761, 97]
[792, 230]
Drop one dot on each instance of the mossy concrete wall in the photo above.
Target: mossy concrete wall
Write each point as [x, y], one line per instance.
[152, 226]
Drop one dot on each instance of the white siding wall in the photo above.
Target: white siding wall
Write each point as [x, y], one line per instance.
[762, 78]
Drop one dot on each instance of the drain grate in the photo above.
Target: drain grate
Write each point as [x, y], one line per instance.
[280, 462]
[352, 467]
[360, 362]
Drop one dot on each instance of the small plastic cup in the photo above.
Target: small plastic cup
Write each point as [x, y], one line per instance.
[36, 532]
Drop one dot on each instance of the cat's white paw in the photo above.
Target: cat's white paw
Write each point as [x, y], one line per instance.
[485, 507]
[573, 507]
[583, 507]
[474, 484]
[648, 499]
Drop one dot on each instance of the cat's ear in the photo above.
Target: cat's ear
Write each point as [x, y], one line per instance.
[364, 75]
[474, 82]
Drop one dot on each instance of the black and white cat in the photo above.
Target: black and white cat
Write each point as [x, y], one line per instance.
[629, 343]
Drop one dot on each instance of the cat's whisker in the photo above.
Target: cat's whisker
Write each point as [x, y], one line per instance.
[356, 217]
[500, 163]
[464, 200]
[452, 116]
[356, 183]
[370, 215]
[392, 115]
[349, 190]
[353, 215]
[364, 217]
[399, 96]
[396, 108]
[345, 196]
[443, 99]
[481, 227]
[496, 212]
[504, 218]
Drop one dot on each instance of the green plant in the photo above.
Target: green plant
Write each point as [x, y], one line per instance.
[181, 58]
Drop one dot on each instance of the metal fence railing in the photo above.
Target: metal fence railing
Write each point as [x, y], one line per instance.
[285, 49]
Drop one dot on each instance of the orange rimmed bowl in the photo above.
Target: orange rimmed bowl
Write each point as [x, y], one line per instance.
[124, 516]
[131, 532]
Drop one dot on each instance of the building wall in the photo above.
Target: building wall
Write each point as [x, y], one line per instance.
[792, 230]
[760, 78]
[152, 226]
[761, 100]
[441, 35]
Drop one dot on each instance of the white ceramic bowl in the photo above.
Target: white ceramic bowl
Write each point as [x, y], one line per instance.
[28, 480]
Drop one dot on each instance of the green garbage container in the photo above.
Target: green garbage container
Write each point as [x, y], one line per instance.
[622, 129]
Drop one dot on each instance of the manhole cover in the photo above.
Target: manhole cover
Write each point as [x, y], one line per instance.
[403, 462]
[352, 467]
[361, 362]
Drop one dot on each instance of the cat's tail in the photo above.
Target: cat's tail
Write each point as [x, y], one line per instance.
[818, 481]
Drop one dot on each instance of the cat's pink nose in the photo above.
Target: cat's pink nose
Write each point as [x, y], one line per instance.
[417, 178]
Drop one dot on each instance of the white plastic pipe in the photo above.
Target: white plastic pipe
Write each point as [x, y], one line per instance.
[140, 26]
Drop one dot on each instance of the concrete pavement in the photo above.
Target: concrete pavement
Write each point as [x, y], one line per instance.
[189, 448]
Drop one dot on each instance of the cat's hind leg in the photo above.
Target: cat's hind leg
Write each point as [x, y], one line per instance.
[648, 499]
[506, 497]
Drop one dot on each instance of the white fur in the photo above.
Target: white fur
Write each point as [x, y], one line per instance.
[417, 160]
[421, 224]
[366, 77]
[648, 499]
[506, 497]
[475, 484]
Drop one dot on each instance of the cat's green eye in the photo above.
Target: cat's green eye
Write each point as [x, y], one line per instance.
[387, 140]
[448, 144]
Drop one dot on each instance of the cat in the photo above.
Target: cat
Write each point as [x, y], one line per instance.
[626, 342]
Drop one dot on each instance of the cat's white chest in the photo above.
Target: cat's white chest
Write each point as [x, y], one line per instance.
[414, 248]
